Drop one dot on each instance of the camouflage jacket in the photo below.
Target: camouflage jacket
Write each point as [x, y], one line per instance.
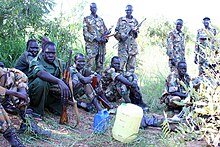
[11, 78]
[93, 28]
[173, 83]
[204, 48]
[175, 45]
[124, 26]
[110, 74]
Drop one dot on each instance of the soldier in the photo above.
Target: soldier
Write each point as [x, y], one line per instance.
[14, 99]
[174, 90]
[175, 45]
[82, 79]
[94, 31]
[45, 73]
[119, 85]
[126, 34]
[24, 60]
[204, 45]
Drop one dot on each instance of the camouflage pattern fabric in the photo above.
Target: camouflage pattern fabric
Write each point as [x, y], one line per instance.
[11, 78]
[173, 85]
[80, 88]
[175, 48]
[114, 90]
[23, 62]
[204, 48]
[128, 49]
[94, 28]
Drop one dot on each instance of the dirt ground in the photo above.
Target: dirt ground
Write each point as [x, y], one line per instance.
[82, 135]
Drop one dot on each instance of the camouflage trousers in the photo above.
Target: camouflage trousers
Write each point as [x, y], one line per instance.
[116, 91]
[95, 56]
[202, 66]
[127, 52]
[5, 122]
[168, 100]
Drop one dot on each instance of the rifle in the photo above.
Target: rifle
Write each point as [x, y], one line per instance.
[68, 81]
[130, 33]
[107, 33]
[103, 101]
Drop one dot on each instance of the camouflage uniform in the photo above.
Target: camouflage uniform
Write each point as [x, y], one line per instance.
[128, 49]
[11, 79]
[79, 88]
[94, 28]
[173, 85]
[39, 90]
[23, 62]
[176, 49]
[114, 89]
[203, 49]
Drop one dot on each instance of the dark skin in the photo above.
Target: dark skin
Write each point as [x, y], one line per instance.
[206, 23]
[129, 12]
[33, 48]
[49, 55]
[93, 9]
[182, 69]
[116, 65]
[80, 63]
[179, 25]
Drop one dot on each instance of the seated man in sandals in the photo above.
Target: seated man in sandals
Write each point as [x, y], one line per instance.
[82, 79]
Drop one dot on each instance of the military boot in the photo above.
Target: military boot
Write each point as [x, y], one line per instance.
[35, 129]
[12, 138]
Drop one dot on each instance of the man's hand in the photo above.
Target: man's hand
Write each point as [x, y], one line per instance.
[124, 38]
[64, 89]
[20, 95]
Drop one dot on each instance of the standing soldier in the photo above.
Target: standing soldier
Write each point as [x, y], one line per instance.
[126, 34]
[176, 48]
[94, 31]
[204, 45]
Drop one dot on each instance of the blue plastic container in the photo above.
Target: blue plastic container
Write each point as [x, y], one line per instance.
[101, 121]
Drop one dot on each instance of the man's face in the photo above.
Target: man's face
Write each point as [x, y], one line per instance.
[206, 23]
[116, 64]
[93, 8]
[179, 26]
[80, 62]
[49, 54]
[182, 69]
[129, 10]
[33, 48]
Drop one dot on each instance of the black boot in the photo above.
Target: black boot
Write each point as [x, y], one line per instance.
[12, 138]
[35, 129]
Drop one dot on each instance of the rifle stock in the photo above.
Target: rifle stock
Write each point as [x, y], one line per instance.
[66, 78]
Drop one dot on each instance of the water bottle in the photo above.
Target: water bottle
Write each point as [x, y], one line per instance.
[101, 121]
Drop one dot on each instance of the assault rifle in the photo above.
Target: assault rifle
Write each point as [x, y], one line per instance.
[107, 33]
[67, 79]
[136, 29]
[103, 101]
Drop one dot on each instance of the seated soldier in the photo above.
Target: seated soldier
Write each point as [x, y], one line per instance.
[25, 59]
[174, 90]
[82, 78]
[119, 85]
[14, 99]
[45, 72]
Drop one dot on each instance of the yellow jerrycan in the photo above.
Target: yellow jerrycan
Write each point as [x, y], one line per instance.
[127, 122]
